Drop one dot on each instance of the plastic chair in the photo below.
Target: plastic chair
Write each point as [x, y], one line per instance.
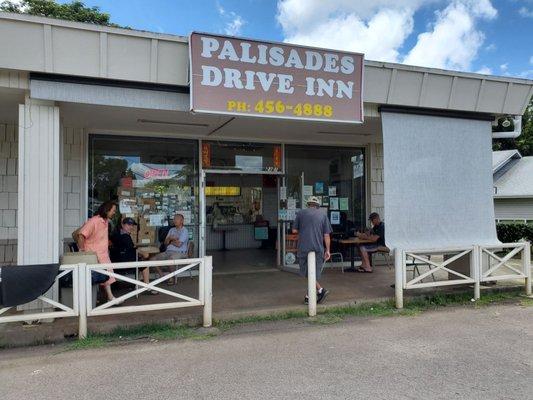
[291, 243]
[341, 265]
[384, 252]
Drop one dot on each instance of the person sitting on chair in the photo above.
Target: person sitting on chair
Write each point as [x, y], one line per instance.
[124, 250]
[176, 244]
[377, 237]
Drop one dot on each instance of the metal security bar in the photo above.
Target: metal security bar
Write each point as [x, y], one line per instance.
[63, 310]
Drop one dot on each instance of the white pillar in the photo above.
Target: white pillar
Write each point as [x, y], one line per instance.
[476, 270]
[398, 273]
[208, 291]
[39, 183]
[82, 299]
[311, 282]
[526, 260]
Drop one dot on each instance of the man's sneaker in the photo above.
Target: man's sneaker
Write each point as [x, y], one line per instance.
[306, 299]
[320, 297]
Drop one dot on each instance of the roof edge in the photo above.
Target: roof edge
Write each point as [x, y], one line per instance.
[91, 27]
[185, 39]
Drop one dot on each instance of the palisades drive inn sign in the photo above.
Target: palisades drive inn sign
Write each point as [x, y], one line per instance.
[246, 77]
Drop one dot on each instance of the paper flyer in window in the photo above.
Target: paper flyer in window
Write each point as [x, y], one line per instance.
[283, 193]
[343, 203]
[333, 203]
[291, 203]
[332, 191]
[335, 218]
[157, 220]
[308, 190]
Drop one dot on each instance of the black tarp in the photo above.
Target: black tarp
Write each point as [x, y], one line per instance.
[24, 283]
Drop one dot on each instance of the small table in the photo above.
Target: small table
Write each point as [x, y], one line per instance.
[353, 242]
[147, 252]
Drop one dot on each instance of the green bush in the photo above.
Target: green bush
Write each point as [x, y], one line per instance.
[512, 233]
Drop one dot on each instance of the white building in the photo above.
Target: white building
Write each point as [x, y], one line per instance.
[74, 94]
[513, 186]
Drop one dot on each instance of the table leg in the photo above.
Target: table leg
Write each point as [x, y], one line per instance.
[352, 257]
[224, 240]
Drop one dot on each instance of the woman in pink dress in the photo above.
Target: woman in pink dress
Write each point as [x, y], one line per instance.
[94, 236]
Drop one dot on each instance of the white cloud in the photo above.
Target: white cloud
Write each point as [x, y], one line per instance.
[504, 67]
[454, 41]
[525, 12]
[484, 70]
[491, 47]
[527, 74]
[234, 26]
[233, 21]
[531, 60]
[377, 28]
[380, 29]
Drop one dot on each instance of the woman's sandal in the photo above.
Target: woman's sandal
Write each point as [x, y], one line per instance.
[364, 271]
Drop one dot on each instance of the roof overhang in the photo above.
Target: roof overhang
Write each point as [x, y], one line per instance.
[52, 46]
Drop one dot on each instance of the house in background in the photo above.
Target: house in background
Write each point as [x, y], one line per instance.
[513, 186]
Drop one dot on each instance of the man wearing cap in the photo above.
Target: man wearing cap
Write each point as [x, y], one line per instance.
[377, 238]
[123, 248]
[313, 229]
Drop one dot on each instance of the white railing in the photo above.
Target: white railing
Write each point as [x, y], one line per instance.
[64, 310]
[502, 269]
[82, 292]
[481, 267]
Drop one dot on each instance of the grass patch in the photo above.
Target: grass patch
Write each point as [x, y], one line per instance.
[224, 325]
[90, 342]
[151, 332]
[526, 302]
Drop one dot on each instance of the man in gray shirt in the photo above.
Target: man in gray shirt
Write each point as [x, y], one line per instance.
[313, 229]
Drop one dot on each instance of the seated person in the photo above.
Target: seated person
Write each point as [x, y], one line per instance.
[123, 249]
[176, 244]
[376, 235]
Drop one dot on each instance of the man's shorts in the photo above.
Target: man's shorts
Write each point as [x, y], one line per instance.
[369, 248]
[169, 255]
[302, 262]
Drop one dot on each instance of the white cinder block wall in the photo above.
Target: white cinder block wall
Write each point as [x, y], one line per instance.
[73, 171]
[8, 193]
[376, 179]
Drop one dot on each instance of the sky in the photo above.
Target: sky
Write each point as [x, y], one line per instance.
[485, 36]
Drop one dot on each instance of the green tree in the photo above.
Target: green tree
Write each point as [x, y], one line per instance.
[524, 142]
[73, 11]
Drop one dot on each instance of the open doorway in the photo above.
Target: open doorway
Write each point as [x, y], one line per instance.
[241, 222]
[241, 206]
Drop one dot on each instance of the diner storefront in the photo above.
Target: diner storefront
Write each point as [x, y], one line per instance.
[252, 192]
[235, 134]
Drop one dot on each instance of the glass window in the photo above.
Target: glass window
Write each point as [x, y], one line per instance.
[151, 180]
[335, 175]
[249, 157]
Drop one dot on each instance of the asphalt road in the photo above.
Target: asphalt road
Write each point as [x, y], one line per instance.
[450, 354]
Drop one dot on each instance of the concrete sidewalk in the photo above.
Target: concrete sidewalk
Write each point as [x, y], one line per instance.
[452, 353]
